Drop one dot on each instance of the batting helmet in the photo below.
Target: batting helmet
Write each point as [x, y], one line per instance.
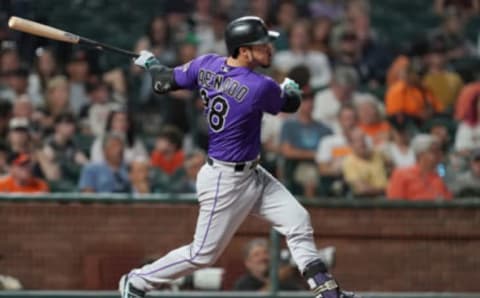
[246, 31]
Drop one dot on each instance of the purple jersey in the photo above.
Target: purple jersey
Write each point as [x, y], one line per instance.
[235, 99]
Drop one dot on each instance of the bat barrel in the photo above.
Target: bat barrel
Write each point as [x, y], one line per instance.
[42, 30]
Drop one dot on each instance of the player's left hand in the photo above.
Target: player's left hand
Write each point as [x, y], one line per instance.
[146, 59]
[291, 88]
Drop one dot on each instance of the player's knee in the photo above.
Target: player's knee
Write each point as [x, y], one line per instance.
[303, 219]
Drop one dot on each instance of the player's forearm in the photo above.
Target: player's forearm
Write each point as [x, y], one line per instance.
[163, 78]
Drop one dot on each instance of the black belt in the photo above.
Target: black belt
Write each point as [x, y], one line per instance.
[237, 167]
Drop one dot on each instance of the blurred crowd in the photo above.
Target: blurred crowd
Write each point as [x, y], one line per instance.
[375, 120]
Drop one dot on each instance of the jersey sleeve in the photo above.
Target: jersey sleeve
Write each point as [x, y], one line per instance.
[186, 75]
[269, 97]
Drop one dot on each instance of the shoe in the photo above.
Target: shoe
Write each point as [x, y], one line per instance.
[127, 290]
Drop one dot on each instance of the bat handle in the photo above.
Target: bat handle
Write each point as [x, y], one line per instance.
[101, 46]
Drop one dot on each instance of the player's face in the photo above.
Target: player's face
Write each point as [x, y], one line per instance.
[262, 54]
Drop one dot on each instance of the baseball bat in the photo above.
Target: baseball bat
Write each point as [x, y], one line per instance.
[42, 30]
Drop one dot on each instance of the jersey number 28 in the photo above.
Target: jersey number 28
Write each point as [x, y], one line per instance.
[217, 110]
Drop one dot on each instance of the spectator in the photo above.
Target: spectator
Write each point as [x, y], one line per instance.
[373, 56]
[23, 107]
[119, 122]
[5, 114]
[300, 54]
[345, 46]
[193, 163]
[421, 181]
[9, 60]
[468, 184]
[300, 137]
[19, 135]
[398, 151]
[452, 31]
[16, 82]
[110, 175]
[219, 23]
[139, 171]
[333, 10]
[465, 8]
[468, 94]
[334, 148]
[443, 128]
[78, 71]
[257, 260]
[45, 68]
[364, 169]
[60, 157]
[57, 99]
[285, 17]
[444, 84]
[21, 178]
[415, 50]
[410, 99]
[4, 152]
[321, 28]
[168, 155]
[370, 119]
[157, 40]
[260, 8]
[327, 103]
[100, 104]
[467, 137]
[177, 13]
[203, 30]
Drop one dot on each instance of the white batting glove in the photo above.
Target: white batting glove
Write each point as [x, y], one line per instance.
[290, 88]
[146, 59]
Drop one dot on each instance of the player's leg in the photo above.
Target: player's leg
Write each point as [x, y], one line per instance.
[290, 218]
[224, 204]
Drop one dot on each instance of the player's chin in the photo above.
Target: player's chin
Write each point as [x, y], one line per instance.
[266, 65]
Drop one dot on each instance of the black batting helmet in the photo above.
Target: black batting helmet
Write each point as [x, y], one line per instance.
[246, 31]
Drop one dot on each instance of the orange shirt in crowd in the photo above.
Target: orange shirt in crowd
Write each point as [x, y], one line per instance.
[169, 166]
[404, 99]
[378, 132]
[465, 99]
[397, 70]
[410, 184]
[8, 184]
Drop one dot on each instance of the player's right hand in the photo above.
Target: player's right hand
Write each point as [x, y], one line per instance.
[146, 59]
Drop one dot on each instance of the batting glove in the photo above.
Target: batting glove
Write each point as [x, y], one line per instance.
[290, 88]
[146, 60]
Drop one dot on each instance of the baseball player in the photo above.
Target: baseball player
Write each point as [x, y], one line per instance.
[231, 185]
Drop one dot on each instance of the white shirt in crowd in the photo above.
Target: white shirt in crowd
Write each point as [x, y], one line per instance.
[137, 151]
[399, 159]
[316, 62]
[326, 107]
[330, 148]
[467, 137]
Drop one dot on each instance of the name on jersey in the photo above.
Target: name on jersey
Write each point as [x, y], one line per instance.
[229, 86]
